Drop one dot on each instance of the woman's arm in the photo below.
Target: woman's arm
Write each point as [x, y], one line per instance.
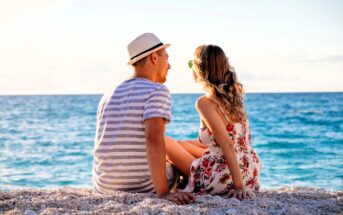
[208, 113]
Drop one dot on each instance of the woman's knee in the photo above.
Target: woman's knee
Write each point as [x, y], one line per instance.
[169, 141]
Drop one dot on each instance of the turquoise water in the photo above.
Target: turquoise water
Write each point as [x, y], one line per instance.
[47, 141]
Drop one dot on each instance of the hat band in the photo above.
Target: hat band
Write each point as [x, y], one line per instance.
[158, 45]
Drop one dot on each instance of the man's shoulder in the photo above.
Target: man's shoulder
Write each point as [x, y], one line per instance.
[154, 85]
[161, 87]
[135, 88]
[141, 84]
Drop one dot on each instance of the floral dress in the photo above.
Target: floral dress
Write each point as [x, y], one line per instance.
[210, 173]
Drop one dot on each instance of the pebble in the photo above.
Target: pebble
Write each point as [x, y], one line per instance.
[234, 202]
[293, 210]
[231, 211]
[30, 212]
[253, 212]
[64, 201]
[263, 204]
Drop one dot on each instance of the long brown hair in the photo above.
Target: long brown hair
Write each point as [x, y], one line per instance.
[220, 81]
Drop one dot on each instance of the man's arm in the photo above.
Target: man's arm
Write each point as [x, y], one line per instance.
[156, 154]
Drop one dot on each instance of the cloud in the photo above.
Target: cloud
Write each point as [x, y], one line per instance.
[332, 59]
[96, 68]
[99, 68]
[20, 9]
[262, 77]
[190, 8]
[335, 58]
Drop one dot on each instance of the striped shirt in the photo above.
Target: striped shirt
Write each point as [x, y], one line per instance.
[120, 157]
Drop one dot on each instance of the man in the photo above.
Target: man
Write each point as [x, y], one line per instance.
[129, 151]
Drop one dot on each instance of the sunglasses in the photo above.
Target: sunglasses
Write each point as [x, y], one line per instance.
[190, 64]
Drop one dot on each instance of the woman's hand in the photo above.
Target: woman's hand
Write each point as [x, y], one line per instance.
[241, 193]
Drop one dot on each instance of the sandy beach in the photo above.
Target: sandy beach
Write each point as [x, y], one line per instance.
[67, 200]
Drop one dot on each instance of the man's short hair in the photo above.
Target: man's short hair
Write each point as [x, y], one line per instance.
[141, 62]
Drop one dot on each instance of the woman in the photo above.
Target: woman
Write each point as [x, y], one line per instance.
[223, 160]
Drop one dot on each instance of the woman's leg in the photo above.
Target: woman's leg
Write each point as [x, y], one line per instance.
[179, 156]
[182, 153]
[194, 147]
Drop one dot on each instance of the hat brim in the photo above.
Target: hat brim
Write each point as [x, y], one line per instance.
[147, 54]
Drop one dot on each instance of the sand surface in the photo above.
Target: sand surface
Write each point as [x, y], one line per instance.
[286, 200]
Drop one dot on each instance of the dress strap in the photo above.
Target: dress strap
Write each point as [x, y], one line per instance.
[227, 118]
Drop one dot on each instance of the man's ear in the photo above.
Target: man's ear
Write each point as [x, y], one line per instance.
[153, 57]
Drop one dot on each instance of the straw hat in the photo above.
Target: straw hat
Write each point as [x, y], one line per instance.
[143, 46]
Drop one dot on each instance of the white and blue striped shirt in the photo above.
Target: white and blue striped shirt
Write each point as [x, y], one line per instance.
[120, 157]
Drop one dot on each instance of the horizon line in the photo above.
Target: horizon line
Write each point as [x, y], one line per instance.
[193, 93]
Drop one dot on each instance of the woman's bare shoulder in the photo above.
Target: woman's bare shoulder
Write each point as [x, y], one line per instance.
[203, 103]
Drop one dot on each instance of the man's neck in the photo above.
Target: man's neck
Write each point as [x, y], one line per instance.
[144, 74]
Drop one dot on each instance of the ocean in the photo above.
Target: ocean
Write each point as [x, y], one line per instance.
[47, 141]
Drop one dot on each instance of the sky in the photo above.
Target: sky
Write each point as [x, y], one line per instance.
[79, 46]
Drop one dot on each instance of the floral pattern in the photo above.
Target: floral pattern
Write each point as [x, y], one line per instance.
[210, 173]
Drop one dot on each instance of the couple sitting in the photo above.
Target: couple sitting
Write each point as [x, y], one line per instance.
[131, 149]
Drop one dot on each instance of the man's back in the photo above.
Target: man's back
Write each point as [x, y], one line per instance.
[120, 158]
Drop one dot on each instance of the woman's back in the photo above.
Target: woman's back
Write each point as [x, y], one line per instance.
[211, 174]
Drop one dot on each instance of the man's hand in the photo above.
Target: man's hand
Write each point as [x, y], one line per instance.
[180, 198]
[241, 194]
